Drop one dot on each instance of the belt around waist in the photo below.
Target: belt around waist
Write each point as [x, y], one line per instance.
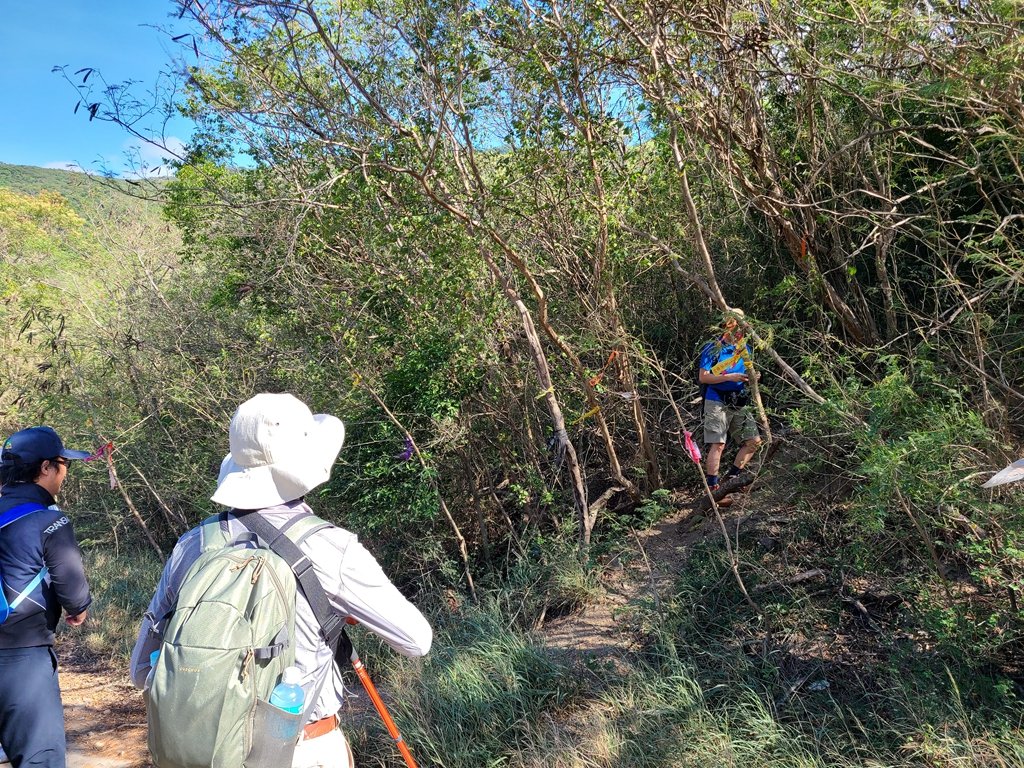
[320, 728]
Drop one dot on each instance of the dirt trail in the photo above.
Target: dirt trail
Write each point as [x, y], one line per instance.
[646, 576]
[104, 716]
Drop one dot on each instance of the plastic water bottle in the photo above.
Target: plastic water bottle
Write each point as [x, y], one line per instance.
[153, 658]
[288, 694]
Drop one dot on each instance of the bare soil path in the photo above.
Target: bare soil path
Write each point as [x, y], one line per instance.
[647, 573]
[104, 716]
[644, 574]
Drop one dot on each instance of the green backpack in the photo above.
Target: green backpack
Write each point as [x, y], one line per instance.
[223, 650]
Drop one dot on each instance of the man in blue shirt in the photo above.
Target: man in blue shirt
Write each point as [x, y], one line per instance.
[723, 372]
[42, 576]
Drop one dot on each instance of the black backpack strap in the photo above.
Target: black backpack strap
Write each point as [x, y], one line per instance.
[343, 652]
[331, 625]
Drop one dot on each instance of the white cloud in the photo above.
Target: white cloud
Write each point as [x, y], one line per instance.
[146, 160]
[136, 160]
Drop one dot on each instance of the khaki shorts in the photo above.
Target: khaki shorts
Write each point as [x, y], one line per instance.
[721, 420]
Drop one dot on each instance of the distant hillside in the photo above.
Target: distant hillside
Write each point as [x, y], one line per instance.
[85, 192]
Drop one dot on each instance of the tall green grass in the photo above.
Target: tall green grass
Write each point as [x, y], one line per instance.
[490, 696]
[122, 584]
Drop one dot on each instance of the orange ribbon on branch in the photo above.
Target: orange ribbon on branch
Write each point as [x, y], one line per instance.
[597, 379]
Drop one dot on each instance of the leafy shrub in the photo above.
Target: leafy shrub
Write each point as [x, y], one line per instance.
[547, 581]
[914, 511]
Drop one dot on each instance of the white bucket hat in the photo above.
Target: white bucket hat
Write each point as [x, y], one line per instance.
[279, 452]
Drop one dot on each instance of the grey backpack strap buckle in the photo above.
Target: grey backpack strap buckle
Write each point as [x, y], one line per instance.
[275, 649]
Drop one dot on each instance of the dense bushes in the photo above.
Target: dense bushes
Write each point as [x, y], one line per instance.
[491, 240]
[913, 514]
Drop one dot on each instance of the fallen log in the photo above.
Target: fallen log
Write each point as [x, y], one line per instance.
[603, 500]
[731, 485]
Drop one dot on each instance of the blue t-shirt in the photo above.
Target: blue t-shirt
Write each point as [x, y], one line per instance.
[715, 353]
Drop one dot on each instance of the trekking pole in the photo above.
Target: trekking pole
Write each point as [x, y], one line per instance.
[378, 703]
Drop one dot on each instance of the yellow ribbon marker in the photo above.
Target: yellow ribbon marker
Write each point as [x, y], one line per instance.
[357, 379]
[593, 411]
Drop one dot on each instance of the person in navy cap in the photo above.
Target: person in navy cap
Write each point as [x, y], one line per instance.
[42, 575]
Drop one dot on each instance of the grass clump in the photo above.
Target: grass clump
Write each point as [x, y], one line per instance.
[481, 698]
[804, 684]
[550, 580]
[121, 585]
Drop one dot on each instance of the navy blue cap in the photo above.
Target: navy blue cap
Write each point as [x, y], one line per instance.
[36, 444]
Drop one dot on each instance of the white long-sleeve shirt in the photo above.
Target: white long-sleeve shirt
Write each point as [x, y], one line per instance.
[352, 580]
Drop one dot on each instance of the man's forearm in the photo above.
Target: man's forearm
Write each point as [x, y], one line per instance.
[715, 378]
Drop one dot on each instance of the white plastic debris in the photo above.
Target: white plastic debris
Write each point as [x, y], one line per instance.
[1011, 474]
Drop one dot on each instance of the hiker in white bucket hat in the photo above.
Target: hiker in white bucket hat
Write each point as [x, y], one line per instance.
[279, 452]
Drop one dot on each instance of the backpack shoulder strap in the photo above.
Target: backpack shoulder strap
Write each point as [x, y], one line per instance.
[20, 511]
[8, 517]
[343, 649]
[331, 625]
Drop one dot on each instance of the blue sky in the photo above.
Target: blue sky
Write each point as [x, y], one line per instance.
[118, 38]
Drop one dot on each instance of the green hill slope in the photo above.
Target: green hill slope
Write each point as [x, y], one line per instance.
[84, 192]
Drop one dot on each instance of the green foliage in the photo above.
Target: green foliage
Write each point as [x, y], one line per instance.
[438, 374]
[378, 488]
[109, 340]
[810, 704]
[546, 581]
[83, 192]
[617, 533]
[488, 695]
[478, 698]
[122, 583]
[913, 462]
[456, 224]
